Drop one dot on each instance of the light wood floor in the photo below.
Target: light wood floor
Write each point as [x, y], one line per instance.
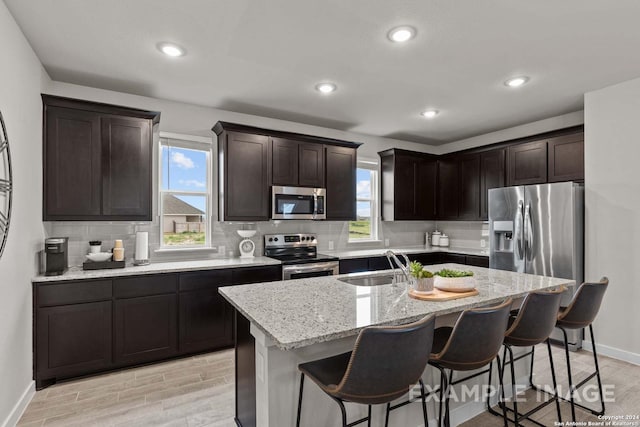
[198, 391]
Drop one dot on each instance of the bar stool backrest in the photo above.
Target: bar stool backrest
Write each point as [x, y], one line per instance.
[584, 306]
[386, 361]
[536, 318]
[476, 338]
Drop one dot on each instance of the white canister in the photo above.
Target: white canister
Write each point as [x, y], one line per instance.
[435, 238]
[444, 240]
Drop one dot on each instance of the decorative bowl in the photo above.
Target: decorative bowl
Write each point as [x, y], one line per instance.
[99, 256]
[245, 234]
[455, 284]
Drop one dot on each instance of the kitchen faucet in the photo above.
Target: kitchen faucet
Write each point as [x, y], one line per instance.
[392, 257]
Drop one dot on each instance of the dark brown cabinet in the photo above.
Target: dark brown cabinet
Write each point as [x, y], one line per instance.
[566, 158]
[145, 318]
[527, 163]
[469, 200]
[205, 318]
[448, 187]
[408, 187]
[97, 161]
[297, 163]
[492, 175]
[340, 163]
[244, 193]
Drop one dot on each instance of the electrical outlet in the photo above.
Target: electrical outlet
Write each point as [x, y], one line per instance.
[386, 243]
[222, 250]
[483, 243]
[331, 246]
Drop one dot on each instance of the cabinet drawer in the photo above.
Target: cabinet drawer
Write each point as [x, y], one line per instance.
[139, 286]
[204, 280]
[73, 292]
[243, 276]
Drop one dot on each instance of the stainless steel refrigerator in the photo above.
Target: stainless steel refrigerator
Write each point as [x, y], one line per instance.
[539, 229]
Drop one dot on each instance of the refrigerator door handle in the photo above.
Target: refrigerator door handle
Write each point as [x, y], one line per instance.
[519, 232]
[528, 233]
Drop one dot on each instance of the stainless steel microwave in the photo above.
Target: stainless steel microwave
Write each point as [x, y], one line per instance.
[298, 203]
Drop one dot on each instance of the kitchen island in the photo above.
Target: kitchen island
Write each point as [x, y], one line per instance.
[294, 321]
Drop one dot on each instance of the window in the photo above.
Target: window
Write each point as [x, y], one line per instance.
[185, 192]
[365, 228]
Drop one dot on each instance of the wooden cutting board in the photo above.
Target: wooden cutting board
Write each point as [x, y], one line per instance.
[439, 295]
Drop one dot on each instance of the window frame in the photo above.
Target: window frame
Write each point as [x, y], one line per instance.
[373, 166]
[189, 142]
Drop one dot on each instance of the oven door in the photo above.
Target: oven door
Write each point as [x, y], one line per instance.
[303, 271]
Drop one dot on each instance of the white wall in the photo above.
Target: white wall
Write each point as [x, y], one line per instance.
[21, 78]
[612, 197]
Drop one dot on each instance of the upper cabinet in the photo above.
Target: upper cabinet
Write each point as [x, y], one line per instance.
[244, 176]
[448, 187]
[297, 163]
[252, 159]
[97, 161]
[469, 195]
[528, 163]
[492, 175]
[566, 158]
[341, 182]
[408, 185]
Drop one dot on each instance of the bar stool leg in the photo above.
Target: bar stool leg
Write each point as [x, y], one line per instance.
[595, 360]
[386, 418]
[553, 379]
[424, 403]
[369, 416]
[533, 353]
[514, 394]
[571, 390]
[300, 400]
[342, 410]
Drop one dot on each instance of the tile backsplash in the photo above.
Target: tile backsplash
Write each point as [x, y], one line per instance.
[467, 234]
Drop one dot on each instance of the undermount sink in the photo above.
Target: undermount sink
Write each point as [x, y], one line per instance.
[373, 280]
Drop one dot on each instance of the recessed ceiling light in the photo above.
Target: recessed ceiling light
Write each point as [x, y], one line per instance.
[517, 81]
[401, 34]
[429, 114]
[326, 87]
[171, 49]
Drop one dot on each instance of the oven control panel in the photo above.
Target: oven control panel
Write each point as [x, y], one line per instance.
[289, 240]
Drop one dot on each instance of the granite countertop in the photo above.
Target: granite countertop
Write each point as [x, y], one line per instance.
[77, 273]
[298, 313]
[359, 253]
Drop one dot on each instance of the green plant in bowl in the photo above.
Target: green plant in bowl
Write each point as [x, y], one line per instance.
[417, 270]
[453, 273]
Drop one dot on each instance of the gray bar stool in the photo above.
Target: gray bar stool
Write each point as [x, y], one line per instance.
[384, 364]
[474, 342]
[530, 325]
[580, 313]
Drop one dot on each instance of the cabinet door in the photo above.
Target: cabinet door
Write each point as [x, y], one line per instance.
[145, 329]
[379, 263]
[405, 188]
[126, 168]
[246, 275]
[284, 157]
[246, 186]
[492, 171]
[528, 163]
[72, 340]
[469, 202]
[205, 317]
[72, 192]
[355, 265]
[427, 258]
[311, 161]
[477, 261]
[453, 258]
[448, 188]
[426, 188]
[341, 182]
[566, 158]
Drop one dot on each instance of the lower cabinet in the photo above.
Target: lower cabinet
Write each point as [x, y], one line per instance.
[357, 265]
[145, 329]
[88, 326]
[73, 339]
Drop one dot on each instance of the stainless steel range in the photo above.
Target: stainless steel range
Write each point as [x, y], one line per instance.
[299, 256]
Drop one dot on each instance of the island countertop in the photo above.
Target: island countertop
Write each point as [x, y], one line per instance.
[302, 312]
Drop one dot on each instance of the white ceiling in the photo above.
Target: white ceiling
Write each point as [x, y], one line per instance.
[264, 57]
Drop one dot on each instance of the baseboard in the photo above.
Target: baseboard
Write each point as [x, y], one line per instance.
[18, 409]
[616, 353]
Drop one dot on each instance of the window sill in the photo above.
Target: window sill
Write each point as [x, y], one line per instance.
[363, 241]
[188, 249]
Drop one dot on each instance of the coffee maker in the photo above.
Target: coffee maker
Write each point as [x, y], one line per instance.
[56, 251]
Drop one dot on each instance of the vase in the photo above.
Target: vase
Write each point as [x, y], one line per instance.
[425, 284]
